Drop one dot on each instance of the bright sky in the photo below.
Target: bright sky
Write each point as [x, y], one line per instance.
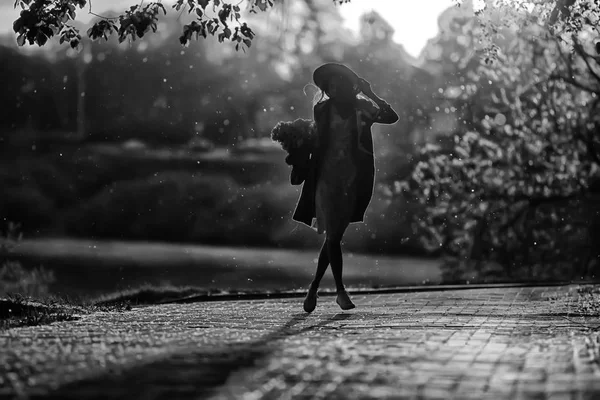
[415, 21]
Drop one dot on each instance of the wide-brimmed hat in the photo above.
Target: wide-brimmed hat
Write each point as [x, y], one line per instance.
[325, 72]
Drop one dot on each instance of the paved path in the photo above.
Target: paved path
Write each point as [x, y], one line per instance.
[514, 343]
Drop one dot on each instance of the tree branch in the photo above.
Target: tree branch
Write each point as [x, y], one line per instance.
[583, 54]
[588, 142]
[99, 16]
[573, 82]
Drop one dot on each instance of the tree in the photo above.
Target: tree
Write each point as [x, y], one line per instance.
[566, 20]
[40, 20]
[520, 187]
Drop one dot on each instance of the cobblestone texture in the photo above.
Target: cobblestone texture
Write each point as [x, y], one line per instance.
[517, 343]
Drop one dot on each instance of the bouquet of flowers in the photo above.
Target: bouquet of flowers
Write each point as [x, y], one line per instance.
[298, 138]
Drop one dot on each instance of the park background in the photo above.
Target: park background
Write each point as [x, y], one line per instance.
[150, 144]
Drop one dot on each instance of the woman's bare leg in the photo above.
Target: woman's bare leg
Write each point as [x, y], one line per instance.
[322, 264]
[310, 301]
[334, 249]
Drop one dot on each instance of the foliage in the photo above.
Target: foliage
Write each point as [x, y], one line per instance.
[207, 90]
[19, 310]
[151, 294]
[175, 206]
[518, 189]
[39, 21]
[565, 20]
[14, 278]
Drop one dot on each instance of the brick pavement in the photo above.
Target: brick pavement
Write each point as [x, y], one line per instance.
[501, 343]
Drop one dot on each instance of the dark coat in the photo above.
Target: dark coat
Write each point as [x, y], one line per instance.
[366, 114]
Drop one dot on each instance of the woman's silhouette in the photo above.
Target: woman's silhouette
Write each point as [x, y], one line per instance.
[338, 187]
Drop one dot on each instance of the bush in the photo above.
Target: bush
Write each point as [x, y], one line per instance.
[259, 146]
[33, 190]
[52, 181]
[15, 279]
[257, 214]
[154, 132]
[182, 207]
[28, 205]
[387, 228]
[168, 206]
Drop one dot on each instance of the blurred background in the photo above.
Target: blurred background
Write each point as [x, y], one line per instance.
[152, 162]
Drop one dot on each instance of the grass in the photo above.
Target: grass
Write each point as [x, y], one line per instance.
[150, 294]
[18, 311]
[25, 299]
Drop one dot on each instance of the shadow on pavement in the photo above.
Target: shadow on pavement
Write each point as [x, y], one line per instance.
[191, 373]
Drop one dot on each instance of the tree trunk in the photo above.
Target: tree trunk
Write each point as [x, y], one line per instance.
[81, 131]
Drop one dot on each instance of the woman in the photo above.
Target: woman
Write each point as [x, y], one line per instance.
[339, 185]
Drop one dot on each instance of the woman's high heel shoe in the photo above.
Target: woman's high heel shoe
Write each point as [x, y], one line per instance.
[310, 302]
[343, 300]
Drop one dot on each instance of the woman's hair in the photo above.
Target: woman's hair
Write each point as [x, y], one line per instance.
[321, 96]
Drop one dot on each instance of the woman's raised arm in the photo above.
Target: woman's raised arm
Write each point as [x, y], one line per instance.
[383, 113]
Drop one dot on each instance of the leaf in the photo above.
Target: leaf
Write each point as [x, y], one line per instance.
[248, 42]
[177, 6]
[79, 47]
[18, 25]
[223, 14]
[203, 3]
[597, 47]
[462, 153]
[41, 38]
[21, 40]
[262, 5]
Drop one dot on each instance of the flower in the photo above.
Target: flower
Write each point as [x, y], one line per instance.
[296, 135]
